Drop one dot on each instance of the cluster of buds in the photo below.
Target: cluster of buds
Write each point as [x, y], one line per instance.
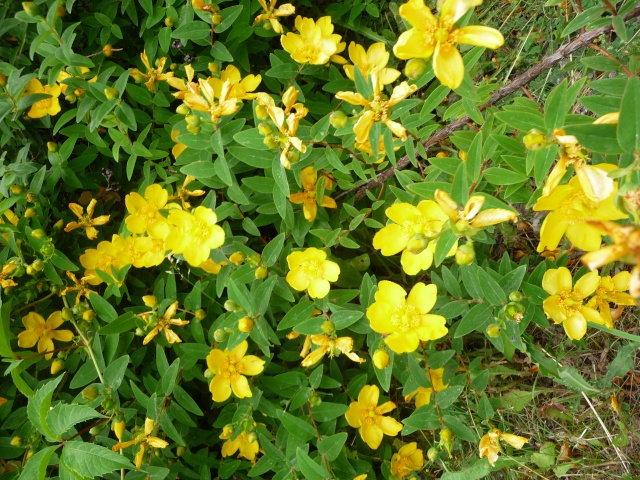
[511, 312]
[255, 260]
[245, 323]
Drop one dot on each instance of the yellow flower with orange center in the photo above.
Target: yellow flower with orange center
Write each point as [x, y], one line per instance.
[165, 323]
[144, 439]
[7, 271]
[42, 332]
[46, 106]
[310, 270]
[315, 43]
[423, 394]
[408, 459]
[195, 234]
[152, 75]
[86, 221]
[309, 178]
[271, 14]
[229, 369]
[490, 446]
[368, 417]
[331, 346]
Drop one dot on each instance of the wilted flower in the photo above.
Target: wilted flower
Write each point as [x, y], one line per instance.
[271, 14]
[331, 346]
[152, 75]
[490, 446]
[423, 395]
[611, 290]
[86, 221]
[246, 444]
[144, 439]
[165, 323]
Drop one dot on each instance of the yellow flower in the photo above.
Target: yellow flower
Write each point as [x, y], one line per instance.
[408, 459]
[490, 446]
[6, 272]
[178, 148]
[184, 87]
[565, 305]
[80, 74]
[144, 439]
[86, 221]
[571, 209]
[271, 14]
[377, 109]
[78, 286]
[439, 36]
[205, 100]
[46, 106]
[144, 212]
[241, 88]
[165, 323]
[104, 257]
[608, 118]
[210, 266]
[422, 394]
[309, 177]
[406, 320]
[196, 234]
[315, 44]
[229, 369]
[331, 346]
[371, 62]
[152, 75]
[43, 333]
[246, 444]
[368, 417]
[310, 270]
[382, 152]
[612, 290]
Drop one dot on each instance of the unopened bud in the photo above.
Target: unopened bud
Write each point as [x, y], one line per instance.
[56, 366]
[169, 21]
[415, 68]
[52, 147]
[432, 454]
[17, 189]
[193, 129]
[90, 393]
[88, 315]
[107, 50]
[173, 67]
[183, 109]
[462, 155]
[446, 435]
[381, 359]
[220, 335]
[293, 156]
[465, 254]
[315, 400]
[140, 332]
[192, 120]
[216, 19]
[3, 79]
[138, 77]
[118, 427]
[338, 119]
[38, 233]
[150, 301]
[534, 140]
[96, 430]
[254, 259]
[58, 225]
[16, 441]
[417, 243]
[515, 311]
[29, 454]
[200, 314]
[111, 93]
[38, 265]
[30, 212]
[493, 330]
[213, 67]
[208, 374]
[245, 324]
[47, 249]
[515, 296]
[265, 129]
[180, 451]
[71, 98]
[261, 272]
[328, 327]
[261, 112]
[231, 306]
[236, 258]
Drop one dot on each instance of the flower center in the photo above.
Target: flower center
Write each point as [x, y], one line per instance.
[405, 318]
[312, 268]
[442, 35]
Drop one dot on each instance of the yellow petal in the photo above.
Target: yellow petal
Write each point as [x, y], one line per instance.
[448, 65]
[480, 36]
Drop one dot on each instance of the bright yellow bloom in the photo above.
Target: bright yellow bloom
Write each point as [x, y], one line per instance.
[210, 266]
[571, 209]
[490, 446]
[439, 36]
[6, 272]
[104, 257]
[178, 148]
[371, 62]
[63, 75]
[310, 270]
[144, 439]
[408, 459]
[86, 221]
[196, 234]
[315, 43]
[565, 305]
[271, 14]
[406, 320]
[241, 88]
[368, 417]
[309, 178]
[184, 87]
[612, 290]
[165, 323]
[377, 109]
[246, 444]
[145, 252]
[205, 100]
[43, 333]
[144, 212]
[46, 106]
[152, 75]
[229, 369]
[423, 395]
[331, 346]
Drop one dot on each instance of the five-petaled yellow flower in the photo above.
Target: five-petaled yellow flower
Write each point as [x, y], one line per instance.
[241, 88]
[423, 395]
[565, 305]
[490, 446]
[315, 43]
[152, 75]
[46, 106]
[438, 37]
[196, 234]
[612, 290]
[368, 417]
[406, 320]
[86, 221]
[272, 14]
[144, 212]
[408, 459]
[144, 439]
[205, 99]
[246, 444]
[310, 270]
[165, 323]
[43, 333]
[372, 61]
[309, 178]
[229, 369]
[331, 346]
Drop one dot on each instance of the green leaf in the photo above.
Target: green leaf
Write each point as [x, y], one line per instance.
[511, 281]
[185, 401]
[272, 250]
[503, 176]
[124, 323]
[284, 70]
[39, 406]
[570, 377]
[251, 138]
[220, 52]
[584, 18]
[254, 158]
[331, 446]
[440, 358]
[598, 138]
[5, 332]
[328, 411]
[229, 16]
[36, 467]
[460, 186]
[301, 312]
[480, 469]
[195, 30]
[61, 261]
[523, 121]
[103, 309]
[491, 290]
[310, 469]
[169, 378]
[345, 318]
[418, 373]
[91, 460]
[362, 86]
[445, 242]
[555, 108]
[474, 319]
[471, 283]
[114, 373]
[63, 416]
[446, 397]
[199, 169]
[629, 122]
[459, 429]
[296, 426]
[423, 418]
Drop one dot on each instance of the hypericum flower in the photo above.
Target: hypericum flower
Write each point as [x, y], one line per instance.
[178, 148]
[490, 446]
[423, 395]
[309, 178]
[86, 221]
[241, 88]
[43, 333]
[183, 192]
[184, 87]
[152, 75]
[229, 369]
[571, 209]
[271, 14]
[46, 106]
[371, 62]
[331, 346]
[165, 323]
[377, 109]
[315, 44]
[196, 234]
[287, 122]
[104, 257]
[210, 266]
[7, 271]
[144, 212]
[368, 417]
[79, 74]
[406, 320]
[246, 444]
[79, 286]
[408, 459]
[611, 290]
[565, 305]
[145, 439]
[205, 100]
[438, 37]
[310, 270]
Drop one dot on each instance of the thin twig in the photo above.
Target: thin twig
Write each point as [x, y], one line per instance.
[624, 68]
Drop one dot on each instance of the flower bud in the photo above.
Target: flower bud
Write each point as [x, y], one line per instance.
[220, 335]
[493, 330]
[415, 68]
[180, 451]
[200, 314]
[514, 311]
[462, 155]
[111, 93]
[465, 254]
[293, 156]
[47, 249]
[183, 109]
[66, 314]
[216, 19]
[534, 140]
[208, 374]
[17, 189]
[192, 120]
[236, 258]
[515, 296]
[52, 147]
[71, 98]
[261, 112]
[88, 315]
[118, 427]
[169, 21]
[261, 272]
[38, 265]
[213, 67]
[328, 327]
[38, 233]
[30, 212]
[107, 50]
[265, 129]
[193, 129]
[140, 332]
[231, 306]
[432, 454]
[96, 429]
[150, 301]
[173, 67]
[245, 324]
[29, 454]
[90, 393]
[417, 243]
[446, 435]
[16, 441]
[254, 259]
[78, 91]
[272, 141]
[138, 77]
[338, 119]
[315, 400]
[381, 359]
[442, 155]
[56, 366]
[3, 79]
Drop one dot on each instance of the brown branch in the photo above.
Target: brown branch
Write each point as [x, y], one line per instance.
[517, 83]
